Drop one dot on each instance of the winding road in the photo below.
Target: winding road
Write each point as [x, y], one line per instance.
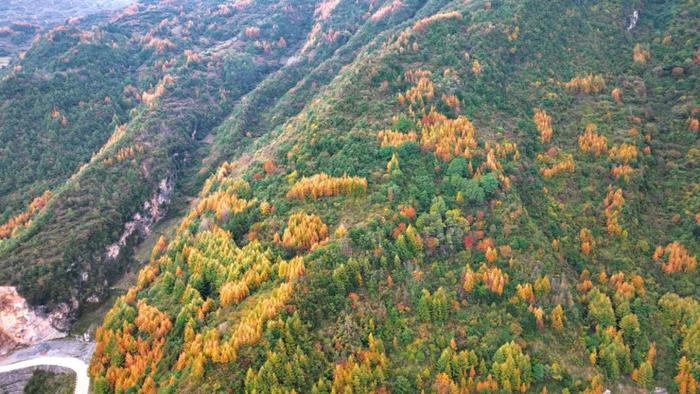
[78, 366]
[66, 353]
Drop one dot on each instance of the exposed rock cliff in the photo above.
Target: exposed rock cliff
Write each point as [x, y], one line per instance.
[22, 325]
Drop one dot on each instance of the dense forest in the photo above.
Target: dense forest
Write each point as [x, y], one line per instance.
[380, 196]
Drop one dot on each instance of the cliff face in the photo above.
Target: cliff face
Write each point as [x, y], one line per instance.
[143, 221]
[21, 324]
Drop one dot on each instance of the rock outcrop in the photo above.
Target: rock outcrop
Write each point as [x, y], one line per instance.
[22, 325]
[143, 221]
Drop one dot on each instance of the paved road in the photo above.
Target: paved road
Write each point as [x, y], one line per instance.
[69, 353]
[78, 366]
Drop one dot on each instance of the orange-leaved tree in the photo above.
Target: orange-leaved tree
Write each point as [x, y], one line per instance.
[304, 231]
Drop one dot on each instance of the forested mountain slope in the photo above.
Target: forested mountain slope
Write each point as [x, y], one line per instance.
[489, 196]
[392, 196]
[174, 79]
[180, 87]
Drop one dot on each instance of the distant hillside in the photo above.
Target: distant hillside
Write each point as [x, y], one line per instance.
[20, 20]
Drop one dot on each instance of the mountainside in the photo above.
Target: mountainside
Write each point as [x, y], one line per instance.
[76, 240]
[371, 196]
[20, 20]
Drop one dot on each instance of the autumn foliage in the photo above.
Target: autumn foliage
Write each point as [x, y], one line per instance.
[452, 102]
[694, 125]
[248, 330]
[538, 314]
[685, 379]
[557, 317]
[160, 45]
[362, 371]
[324, 9]
[252, 32]
[290, 284]
[640, 55]
[24, 219]
[222, 203]
[492, 278]
[592, 142]
[613, 203]
[525, 293]
[422, 92]
[448, 137]
[124, 153]
[395, 138]
[138, 344]
[544, 125]
[393, 165]
[622, 170]
[292, 269]
[129, 351]
[565, 165]
[675, 258]
[617, 95]
[304, 231]
[623, 153]
[512, 368]
[476, 67]
[587, 242]
[149, 97]
[386, 10]
[586, 83]
[323, 185]
[422, 24]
